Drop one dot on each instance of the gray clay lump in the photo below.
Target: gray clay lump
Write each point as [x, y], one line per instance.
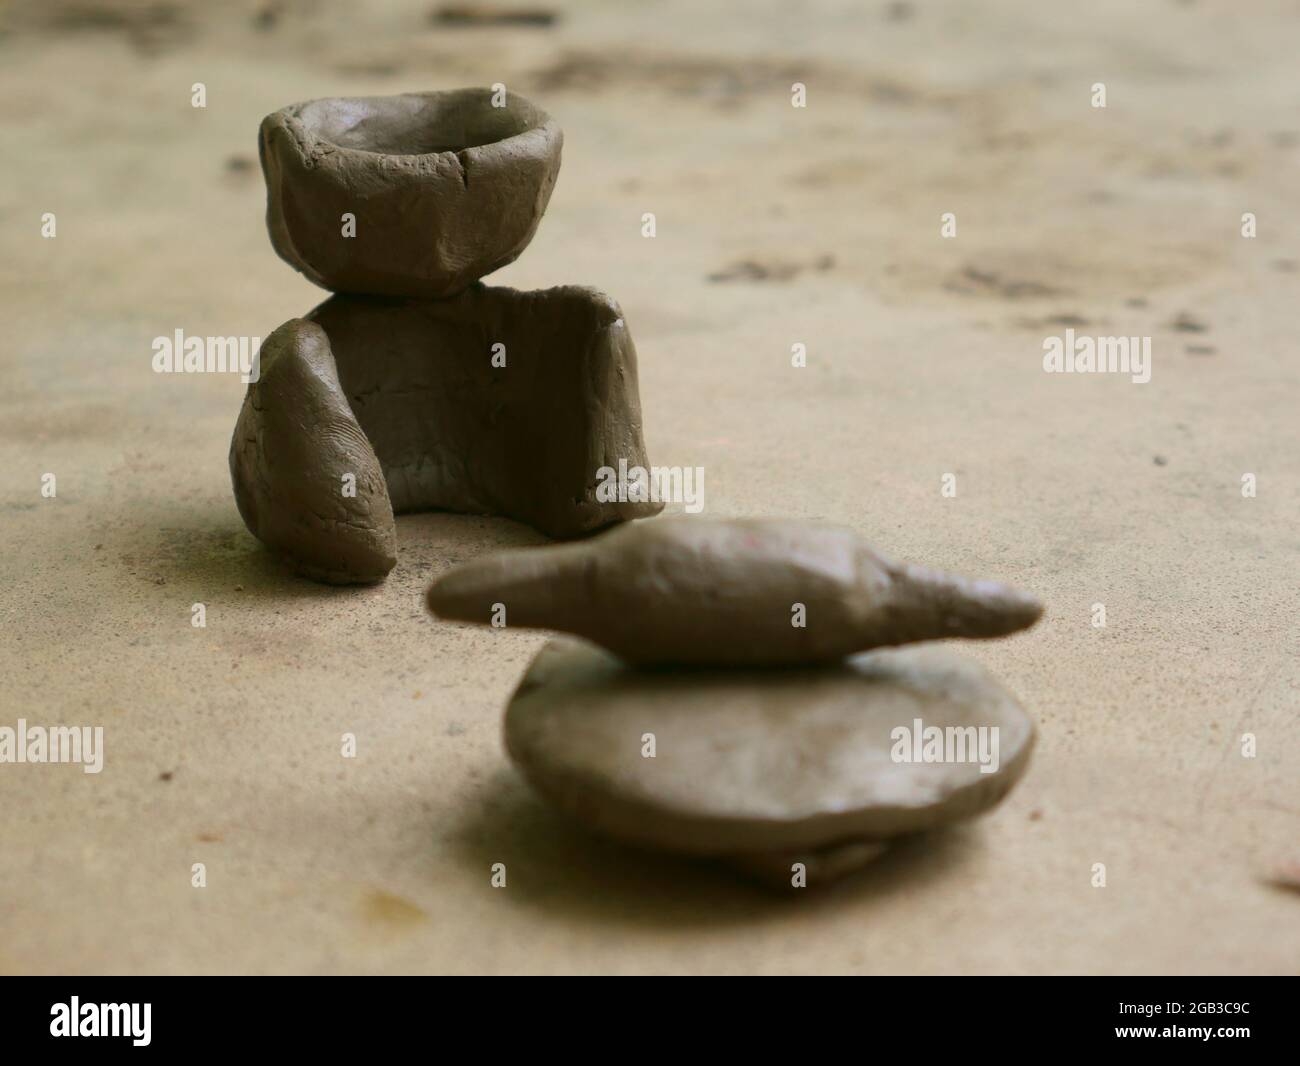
[416, 387]
[404, 396]
[762, 767]
[525, 440]
[443, 188]
[288, 478]
[691, 591]
[768, 771]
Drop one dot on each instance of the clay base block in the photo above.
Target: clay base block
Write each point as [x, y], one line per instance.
[411, 385]
[763, 767]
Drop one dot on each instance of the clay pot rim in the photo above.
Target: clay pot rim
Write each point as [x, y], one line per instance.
[311, 138]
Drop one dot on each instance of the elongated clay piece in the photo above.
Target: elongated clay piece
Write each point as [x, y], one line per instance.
[773, 763]
[416, 387]
[294, 442]
[728, 593]
[419, 194]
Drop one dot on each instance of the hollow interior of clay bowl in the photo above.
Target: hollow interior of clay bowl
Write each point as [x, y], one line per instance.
[418, 123]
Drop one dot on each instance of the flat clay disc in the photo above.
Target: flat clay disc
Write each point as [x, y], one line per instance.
[763, 761]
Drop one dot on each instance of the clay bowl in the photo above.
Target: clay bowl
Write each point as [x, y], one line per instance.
[444, 188]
